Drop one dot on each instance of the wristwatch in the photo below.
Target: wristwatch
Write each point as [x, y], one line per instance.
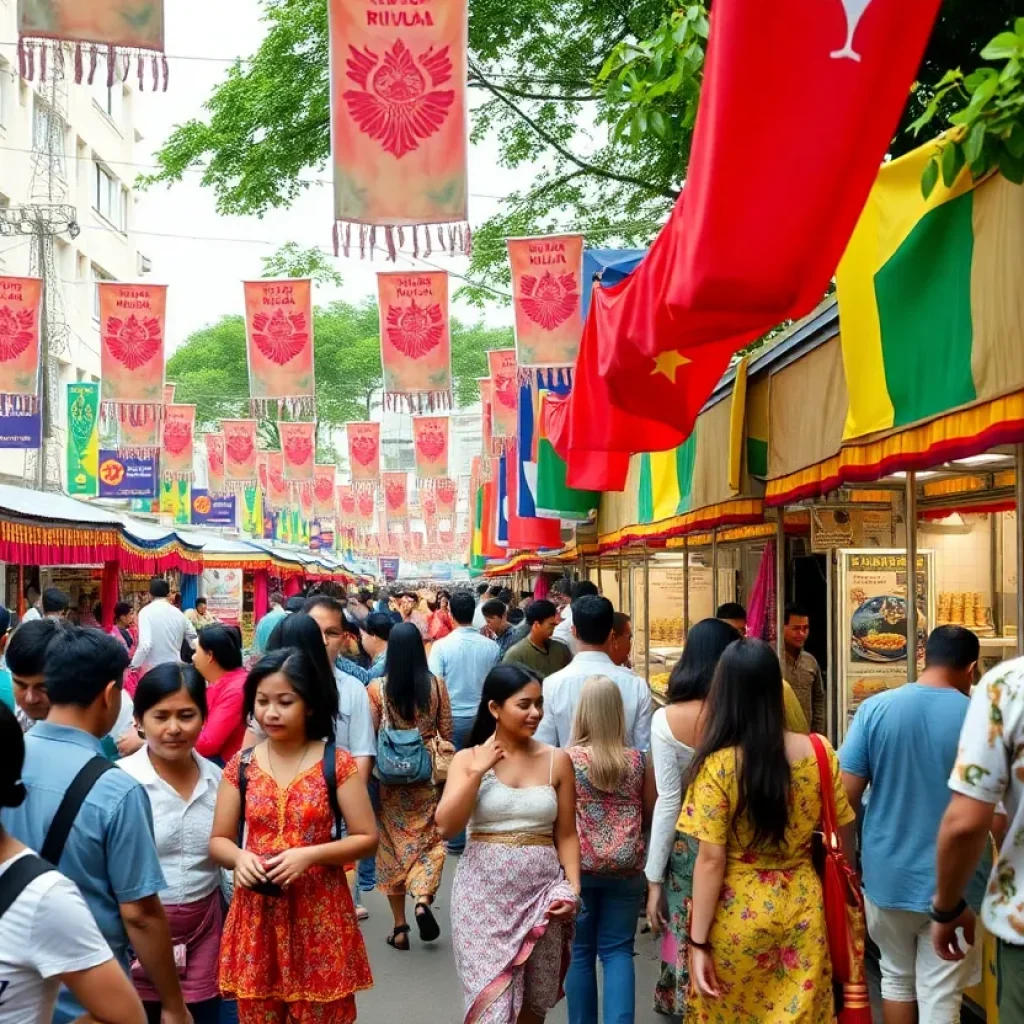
[945, 916]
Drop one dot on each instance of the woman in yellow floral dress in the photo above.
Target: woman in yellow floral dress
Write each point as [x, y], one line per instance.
[758, 946]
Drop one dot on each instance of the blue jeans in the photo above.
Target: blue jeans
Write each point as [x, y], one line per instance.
[605, 928]
[462, 724]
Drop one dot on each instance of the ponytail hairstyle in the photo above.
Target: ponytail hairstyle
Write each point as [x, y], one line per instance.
[745, 713]
[600, 726]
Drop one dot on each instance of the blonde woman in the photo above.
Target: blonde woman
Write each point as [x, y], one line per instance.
[615, 796]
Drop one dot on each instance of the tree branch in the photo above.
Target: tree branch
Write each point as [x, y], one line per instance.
[538, 96]
[589, 168]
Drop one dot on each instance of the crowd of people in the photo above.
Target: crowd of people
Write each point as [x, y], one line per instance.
[215, 816]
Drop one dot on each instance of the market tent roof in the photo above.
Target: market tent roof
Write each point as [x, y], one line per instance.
[22, 501]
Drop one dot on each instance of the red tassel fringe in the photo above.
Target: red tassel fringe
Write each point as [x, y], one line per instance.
[454, 239]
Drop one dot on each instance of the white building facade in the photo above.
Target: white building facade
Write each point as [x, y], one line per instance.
[100, 137]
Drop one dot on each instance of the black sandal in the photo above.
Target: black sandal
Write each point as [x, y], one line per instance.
[401, 932]
[427, 923]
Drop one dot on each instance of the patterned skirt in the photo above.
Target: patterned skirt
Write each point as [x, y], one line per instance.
[508, 953]
[410, 855]
[670, 993]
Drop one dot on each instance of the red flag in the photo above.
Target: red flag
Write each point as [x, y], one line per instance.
[780, 171]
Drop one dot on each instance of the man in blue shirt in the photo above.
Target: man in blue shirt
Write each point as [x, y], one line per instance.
[266, 625]
[904, 743]
[110, 852]
[463, 659]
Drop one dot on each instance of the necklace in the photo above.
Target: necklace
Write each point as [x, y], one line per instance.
[298, 767]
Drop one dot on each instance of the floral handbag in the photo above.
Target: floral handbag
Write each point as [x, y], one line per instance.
[844, 905]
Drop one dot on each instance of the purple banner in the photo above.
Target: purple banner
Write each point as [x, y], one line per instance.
[124, 477]
[21, 431]
[389, 568]
[210, 511]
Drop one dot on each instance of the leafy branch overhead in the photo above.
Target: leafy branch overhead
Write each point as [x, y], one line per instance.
[989, 124]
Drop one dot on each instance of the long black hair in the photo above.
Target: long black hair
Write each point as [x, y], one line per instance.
[502, 683]
[408, 681]
[705, 644]
[745, 712]
[298, 668]
[301, 630]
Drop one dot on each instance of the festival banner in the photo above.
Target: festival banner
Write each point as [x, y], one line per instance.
[139, 440]
[298, 445]
[323, 491]
[396, 495]
[252, 511]
[306, 505]
[224, 593]
[547, 282]
[399, 131]
[486, 425]
[430, 443]
[213, 510]
[119, 31]
[279, 330]
[447, 493]
[176, 501]
[132, 351]
[278, 490]
[239, 453]
[504, 399]
[83, 439]
[20, 306]
[122, 476]
[364, 452]
[169, 389]
[262, 477]
[346, 505]
[21, 430]
[215, 462]
[415, 341]
[366, 507]
[179, 430]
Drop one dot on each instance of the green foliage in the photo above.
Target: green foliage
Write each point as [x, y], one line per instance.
[989, 122]
[292, 261]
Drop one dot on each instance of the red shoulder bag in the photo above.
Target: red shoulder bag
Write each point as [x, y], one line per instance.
[843, 903]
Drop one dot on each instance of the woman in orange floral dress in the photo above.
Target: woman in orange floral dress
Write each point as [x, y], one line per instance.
[411, 854]
[292, 951]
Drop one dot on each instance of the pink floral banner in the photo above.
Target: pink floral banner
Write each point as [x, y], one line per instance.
[504, 393]
[415, 343]
[346, 506]
[239, 453]
[547, 279]
[323, 491]
[20, 306]
[365, 507]
[298, 444]
[447, 493]
[398, 125]
[179, 430]
[278, 490]
[279, 330]
[396, 495]
[430, 444]
[215, 462]
[364, 452]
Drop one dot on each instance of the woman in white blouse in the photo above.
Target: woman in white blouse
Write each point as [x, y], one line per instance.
[675, 731]
[170, 708]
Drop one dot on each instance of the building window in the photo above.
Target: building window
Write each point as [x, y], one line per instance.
[110, 198]
[46, 124]
[98, 275]
[109, 100]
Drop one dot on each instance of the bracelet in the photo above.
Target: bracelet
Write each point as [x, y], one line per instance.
[945, 916]
[703, 946]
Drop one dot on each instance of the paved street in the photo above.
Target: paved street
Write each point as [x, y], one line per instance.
[422, 984]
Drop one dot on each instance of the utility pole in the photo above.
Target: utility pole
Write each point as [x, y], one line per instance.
[45, 217]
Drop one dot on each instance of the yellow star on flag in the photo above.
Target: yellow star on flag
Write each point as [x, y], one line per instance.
[668, 363]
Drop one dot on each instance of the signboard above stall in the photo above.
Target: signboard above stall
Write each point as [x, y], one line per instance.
[850, 528]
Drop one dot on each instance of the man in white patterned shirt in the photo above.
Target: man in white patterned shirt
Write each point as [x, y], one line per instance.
[989, 769]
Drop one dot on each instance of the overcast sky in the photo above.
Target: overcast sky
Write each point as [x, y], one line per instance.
[205, 274]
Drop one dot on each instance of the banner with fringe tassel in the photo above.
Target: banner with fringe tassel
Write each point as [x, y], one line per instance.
[279, 334]
[504, 398]
[399, 127]
[447, 493]
[345, 499]
[298, 444]
[278, 490]
[132, 352]
[415, 341]
[323, 491]
[364, 453]
[179, 429]
[396, 495]
[215, 463]
[101, 36]
[239, 453]
[20, 319]
[430, 444]
[366, 507]
[547, 285]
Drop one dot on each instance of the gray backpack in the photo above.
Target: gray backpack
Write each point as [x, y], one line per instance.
[402, 756]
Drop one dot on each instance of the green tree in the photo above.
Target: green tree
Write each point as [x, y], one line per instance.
[550, 72]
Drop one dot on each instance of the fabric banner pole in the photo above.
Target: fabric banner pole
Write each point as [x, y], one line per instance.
[910, 523]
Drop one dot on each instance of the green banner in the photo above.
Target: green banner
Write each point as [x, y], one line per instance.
[252, 512]
[176, 501]
[83, 439]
